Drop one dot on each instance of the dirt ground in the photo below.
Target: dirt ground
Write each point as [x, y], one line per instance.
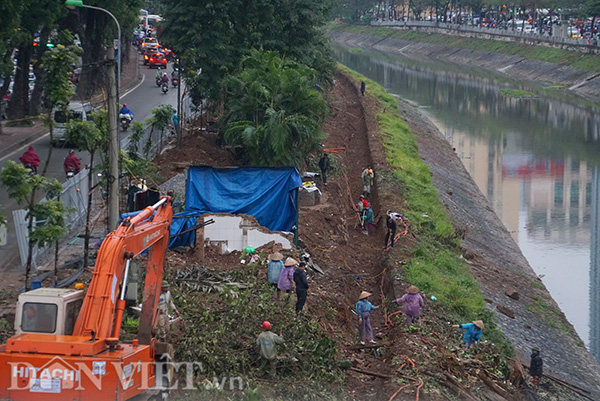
[421, 362]
[353, 262]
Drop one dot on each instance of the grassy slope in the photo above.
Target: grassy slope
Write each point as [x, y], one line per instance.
[558, 56]
[437, 266]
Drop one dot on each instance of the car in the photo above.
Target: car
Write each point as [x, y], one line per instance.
[157, 60]
[148, 42]
[574, 32]
[148, 53]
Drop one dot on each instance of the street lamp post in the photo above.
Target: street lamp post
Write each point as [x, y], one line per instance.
[113, 141]
[79, 3]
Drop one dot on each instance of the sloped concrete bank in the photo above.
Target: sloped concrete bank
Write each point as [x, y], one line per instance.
[496, 260]
[583, 83]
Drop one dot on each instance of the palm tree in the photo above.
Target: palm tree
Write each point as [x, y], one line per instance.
[273, 109]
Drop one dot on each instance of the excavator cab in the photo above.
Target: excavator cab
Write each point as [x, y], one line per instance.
[48, 311]
[66, 349]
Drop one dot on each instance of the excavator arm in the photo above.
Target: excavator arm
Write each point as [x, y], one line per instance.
[101, 312]
[91, 364]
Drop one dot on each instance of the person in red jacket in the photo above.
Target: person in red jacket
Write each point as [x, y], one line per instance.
[72, 163]
[30, 158]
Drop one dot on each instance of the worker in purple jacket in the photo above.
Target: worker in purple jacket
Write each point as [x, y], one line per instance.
[412, 302]
[286, 278]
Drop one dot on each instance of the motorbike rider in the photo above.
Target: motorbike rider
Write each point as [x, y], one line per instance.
[125, 112]
[158, 74]
[30, 159]
[72, 163]
[164, 79]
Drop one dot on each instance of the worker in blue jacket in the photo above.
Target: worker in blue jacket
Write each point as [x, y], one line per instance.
[363, 311]
[472, 332]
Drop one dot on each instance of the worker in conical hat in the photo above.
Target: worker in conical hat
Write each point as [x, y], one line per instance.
[363, 310]
[472, 332]
[274, 269]
[286, 278]
[412, 302]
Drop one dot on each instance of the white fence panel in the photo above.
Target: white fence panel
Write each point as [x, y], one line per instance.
[74, 195]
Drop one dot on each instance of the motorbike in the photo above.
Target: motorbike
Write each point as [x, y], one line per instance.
[175, 82]
[125, 121]
[158, 81]
[165, 87]
[32, 169]
[71, 172]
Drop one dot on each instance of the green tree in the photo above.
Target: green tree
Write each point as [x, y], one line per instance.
[37, 17]
[137, 168]
[86, 136]
[273, 109]
[11, 11]
[96, 29]
[49, 217]
[162, 118]
[213, 36]
[57, 65]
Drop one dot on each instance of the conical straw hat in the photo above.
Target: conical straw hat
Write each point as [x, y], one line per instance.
[275, 256]
[478, 323]
[290, 262]
[364, 294]
[412, 290]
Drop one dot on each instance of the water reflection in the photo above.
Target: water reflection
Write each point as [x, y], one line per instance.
[532, 158]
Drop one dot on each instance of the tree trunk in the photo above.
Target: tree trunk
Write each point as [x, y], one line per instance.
[55, 284]
[18, 107]
[86, 243]
[47, 163]
[91, 80]
[29, 242]
[35, 105]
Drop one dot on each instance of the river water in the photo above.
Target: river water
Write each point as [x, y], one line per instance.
[536, 160]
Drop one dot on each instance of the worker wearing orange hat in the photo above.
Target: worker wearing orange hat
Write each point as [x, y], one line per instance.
[267, 341]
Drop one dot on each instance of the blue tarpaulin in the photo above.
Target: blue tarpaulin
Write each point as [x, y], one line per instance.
[268, 194]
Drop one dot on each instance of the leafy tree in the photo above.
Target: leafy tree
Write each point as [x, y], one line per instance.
[215, 35]
[96, 29]
[49, 216]
[162, 117]
[11, 11]
[136, 167]
[57, 65]
[37, 17]
[273, 109]
[86, 136]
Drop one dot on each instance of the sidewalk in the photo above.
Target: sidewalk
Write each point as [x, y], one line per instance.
[13, 138]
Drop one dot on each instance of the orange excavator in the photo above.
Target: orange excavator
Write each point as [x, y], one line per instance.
[68, 350]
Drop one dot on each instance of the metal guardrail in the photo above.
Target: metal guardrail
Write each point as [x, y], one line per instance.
[581, 43]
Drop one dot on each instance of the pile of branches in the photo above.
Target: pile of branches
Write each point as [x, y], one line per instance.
[200, 278]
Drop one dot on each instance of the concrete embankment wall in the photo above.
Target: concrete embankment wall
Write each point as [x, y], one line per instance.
[583, 83]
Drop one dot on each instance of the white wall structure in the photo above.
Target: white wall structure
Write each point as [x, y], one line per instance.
[236, 232]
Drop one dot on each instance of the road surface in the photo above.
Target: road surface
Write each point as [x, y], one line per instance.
[141, 100]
